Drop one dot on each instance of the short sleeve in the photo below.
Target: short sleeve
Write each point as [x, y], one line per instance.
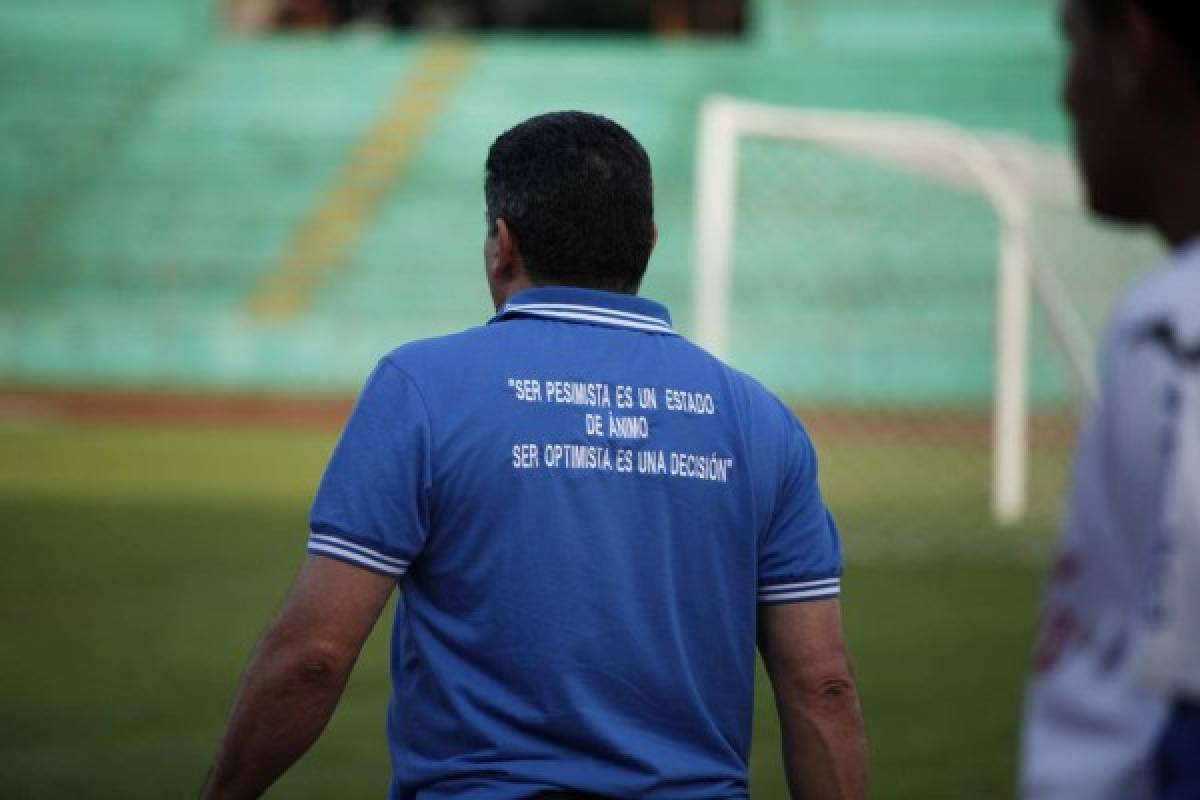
[800, 555]
[372, 507]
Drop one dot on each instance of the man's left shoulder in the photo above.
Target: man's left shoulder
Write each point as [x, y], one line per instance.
[748, 391]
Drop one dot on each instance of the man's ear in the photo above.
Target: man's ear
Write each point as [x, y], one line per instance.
[654, 238]
[506, 268]
[503, 254]
[1139, 51]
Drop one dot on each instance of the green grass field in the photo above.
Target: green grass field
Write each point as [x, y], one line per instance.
[141, 564]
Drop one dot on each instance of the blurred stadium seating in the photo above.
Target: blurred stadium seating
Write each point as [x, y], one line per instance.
[156, 173]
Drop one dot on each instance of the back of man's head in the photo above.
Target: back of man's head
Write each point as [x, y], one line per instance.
[576, 192]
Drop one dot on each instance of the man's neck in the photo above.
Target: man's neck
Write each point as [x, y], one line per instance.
[530, 285]
[1177, 189]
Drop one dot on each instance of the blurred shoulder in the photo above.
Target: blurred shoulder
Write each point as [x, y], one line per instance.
[1169, 294]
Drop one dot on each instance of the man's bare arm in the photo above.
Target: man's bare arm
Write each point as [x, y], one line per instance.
[296, 676]
[824, 740]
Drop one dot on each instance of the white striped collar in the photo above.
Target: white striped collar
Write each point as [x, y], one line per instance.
[589, 306]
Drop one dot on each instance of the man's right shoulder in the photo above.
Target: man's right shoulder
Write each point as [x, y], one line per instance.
[421, 356]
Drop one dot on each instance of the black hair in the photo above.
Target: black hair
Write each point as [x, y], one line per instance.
[577, 193]
[1175, 18]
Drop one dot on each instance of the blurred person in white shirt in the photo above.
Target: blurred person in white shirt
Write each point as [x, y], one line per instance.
[1113, 709]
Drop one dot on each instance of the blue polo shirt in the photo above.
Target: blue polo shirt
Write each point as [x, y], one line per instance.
[584, 510]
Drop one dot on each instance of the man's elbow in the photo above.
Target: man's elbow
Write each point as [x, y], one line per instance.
[318, 669]
[311, 663]
[826, 693]
[830, 696]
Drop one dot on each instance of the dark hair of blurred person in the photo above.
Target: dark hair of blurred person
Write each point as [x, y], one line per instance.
[1133, 93]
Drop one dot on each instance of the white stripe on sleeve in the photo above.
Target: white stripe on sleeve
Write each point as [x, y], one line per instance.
[805, 590]
[326, 545]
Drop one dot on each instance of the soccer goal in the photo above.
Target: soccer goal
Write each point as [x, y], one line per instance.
[899, 277]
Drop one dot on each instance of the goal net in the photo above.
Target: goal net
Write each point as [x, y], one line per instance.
[929, 299]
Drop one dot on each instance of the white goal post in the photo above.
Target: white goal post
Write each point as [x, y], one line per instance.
[1011, 173]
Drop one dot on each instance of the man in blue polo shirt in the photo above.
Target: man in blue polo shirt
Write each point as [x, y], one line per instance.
[592, 522]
